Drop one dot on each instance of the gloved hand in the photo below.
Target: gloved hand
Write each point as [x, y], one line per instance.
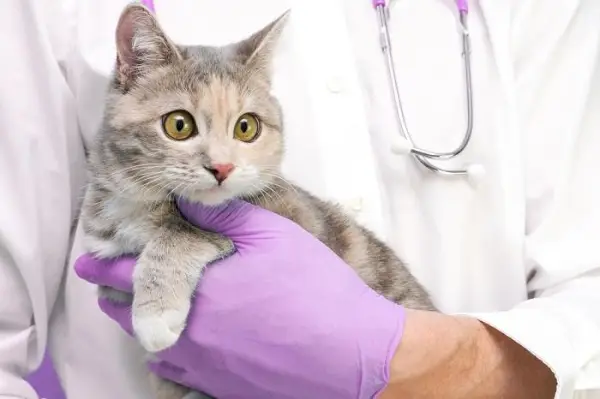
[283, 317]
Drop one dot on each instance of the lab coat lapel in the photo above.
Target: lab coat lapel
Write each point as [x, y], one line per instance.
[507, 139]
[345, 152]
[496, 17]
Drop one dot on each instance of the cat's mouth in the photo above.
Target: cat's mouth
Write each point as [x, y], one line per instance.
[214, 191]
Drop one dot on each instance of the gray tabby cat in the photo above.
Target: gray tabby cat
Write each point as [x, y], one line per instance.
[200, 122]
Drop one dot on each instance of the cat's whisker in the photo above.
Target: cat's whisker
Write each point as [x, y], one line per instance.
[151, 178]
[252, 197]
[274, 186]
[141, 165]
[280, 197]
[146, 186]
[269, 193]
[183, 183]
[134, 169]
[145, 171]
[187, 187]
[149, 188]
[130, 183]
[279, 177]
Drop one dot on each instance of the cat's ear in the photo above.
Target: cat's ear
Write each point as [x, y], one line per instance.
[256, 52]
[141, 44]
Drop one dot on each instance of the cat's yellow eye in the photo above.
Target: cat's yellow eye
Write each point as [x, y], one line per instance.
[247, 128]
[179, 125]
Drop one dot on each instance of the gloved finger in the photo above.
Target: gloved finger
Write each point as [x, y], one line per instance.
[120, 313]
[235, 219]
[115, 273]
[176, 374]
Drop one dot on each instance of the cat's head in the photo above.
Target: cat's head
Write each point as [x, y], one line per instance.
[198, 121]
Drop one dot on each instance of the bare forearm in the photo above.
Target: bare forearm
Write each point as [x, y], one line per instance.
[460, 357]
[510, 371]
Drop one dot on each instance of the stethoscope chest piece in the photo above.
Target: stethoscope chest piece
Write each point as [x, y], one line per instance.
[475, 172]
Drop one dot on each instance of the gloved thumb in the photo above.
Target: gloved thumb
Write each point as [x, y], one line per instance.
[235, 219]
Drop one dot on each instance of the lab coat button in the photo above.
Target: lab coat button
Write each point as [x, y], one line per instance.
[354, 206]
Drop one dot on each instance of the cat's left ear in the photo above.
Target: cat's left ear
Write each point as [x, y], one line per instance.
[256, 52]
[141, 44]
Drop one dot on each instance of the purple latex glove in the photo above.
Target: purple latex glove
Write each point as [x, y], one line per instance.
[283, 317]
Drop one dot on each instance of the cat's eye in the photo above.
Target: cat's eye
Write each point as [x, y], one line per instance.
[179, 125]
[247, 128]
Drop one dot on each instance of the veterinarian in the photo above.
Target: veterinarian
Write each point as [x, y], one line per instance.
[512, 259]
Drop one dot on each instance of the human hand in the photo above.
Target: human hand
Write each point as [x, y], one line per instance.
[281, 317]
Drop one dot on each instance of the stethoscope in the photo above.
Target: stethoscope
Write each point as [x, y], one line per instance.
[406, 144]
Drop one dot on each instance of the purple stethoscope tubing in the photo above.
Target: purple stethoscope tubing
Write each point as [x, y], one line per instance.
[149, 4]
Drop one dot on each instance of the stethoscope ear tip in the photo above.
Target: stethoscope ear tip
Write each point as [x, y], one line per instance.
[400, 146]
[475, 173]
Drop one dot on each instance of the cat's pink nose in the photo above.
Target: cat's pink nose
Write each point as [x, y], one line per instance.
[220, 170]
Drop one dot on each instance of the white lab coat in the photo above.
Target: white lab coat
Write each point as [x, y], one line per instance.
[531, 229]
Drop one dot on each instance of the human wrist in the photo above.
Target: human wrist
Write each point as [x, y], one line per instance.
[456, 357]
[437, 351]
[509, 370]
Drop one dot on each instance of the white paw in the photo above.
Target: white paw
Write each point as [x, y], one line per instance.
[160, 331]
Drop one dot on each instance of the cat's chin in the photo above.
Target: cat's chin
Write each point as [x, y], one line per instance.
[210, 198]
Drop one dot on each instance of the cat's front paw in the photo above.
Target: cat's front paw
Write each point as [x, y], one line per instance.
[160, 330]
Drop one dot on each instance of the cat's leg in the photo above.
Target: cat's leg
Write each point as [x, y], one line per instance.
[165, 278]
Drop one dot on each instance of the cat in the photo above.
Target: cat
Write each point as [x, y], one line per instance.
[200, 122]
